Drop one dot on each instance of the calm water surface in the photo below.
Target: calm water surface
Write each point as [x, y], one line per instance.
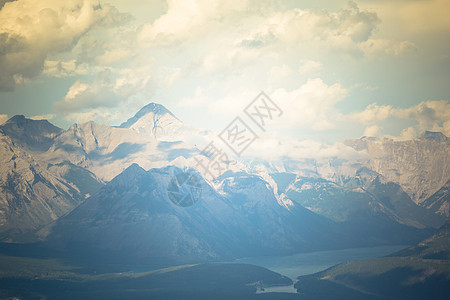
[300, 264]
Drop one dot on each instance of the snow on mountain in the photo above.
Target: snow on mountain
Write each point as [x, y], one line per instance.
[155, 120]
[421, 166]
[102, 149]
[335, 188]
[134, 214]
[367, 194]
[133, 217]
[154, 137]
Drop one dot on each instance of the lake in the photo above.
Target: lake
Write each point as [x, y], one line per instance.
[300, 264]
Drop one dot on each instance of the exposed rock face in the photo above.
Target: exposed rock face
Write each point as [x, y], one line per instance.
[132, 214]
[439, 202]
[47, 171]
[366, 194]
[145, 139]
[421, 166]
[32, 196]
[33, 135]
[32, 192]
[102, 149]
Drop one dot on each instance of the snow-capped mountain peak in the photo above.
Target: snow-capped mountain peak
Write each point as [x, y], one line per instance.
[154, 119]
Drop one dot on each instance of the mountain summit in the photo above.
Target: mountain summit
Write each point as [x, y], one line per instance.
[154, 108]
[35, 135]
[153, 119]
[434, 136]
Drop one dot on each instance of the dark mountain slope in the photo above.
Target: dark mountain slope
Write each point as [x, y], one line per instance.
[418, 272]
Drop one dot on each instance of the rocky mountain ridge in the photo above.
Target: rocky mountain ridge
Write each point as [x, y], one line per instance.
[420, 166]
[133, 216]
[77, 161]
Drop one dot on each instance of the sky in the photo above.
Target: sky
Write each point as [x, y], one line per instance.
[337, 69]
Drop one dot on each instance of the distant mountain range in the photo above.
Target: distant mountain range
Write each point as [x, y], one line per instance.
[420, 166]
[98, 187]
[133, 216]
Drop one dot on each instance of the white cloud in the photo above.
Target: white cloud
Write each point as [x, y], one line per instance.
[372, 131]
[212, 55]
[111, 56]
[100, 115]
[309, 67]
[187, 19]
[312, 105]
[257, 24]
[317, 30]
[82, 95]
[31, 30]
[408, 134]
[373, 113]
[43, 117]
[273, 147]
[278, 74]
[106, 94]
[230, 45]
[230, 38]
[429, 115]
[64, 68]
[197, 100]
[222, 58]
[380, 48]
[201, 29]
[231, 104]
[405, 16]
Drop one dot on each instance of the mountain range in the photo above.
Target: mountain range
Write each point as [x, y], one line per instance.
[95, 187]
